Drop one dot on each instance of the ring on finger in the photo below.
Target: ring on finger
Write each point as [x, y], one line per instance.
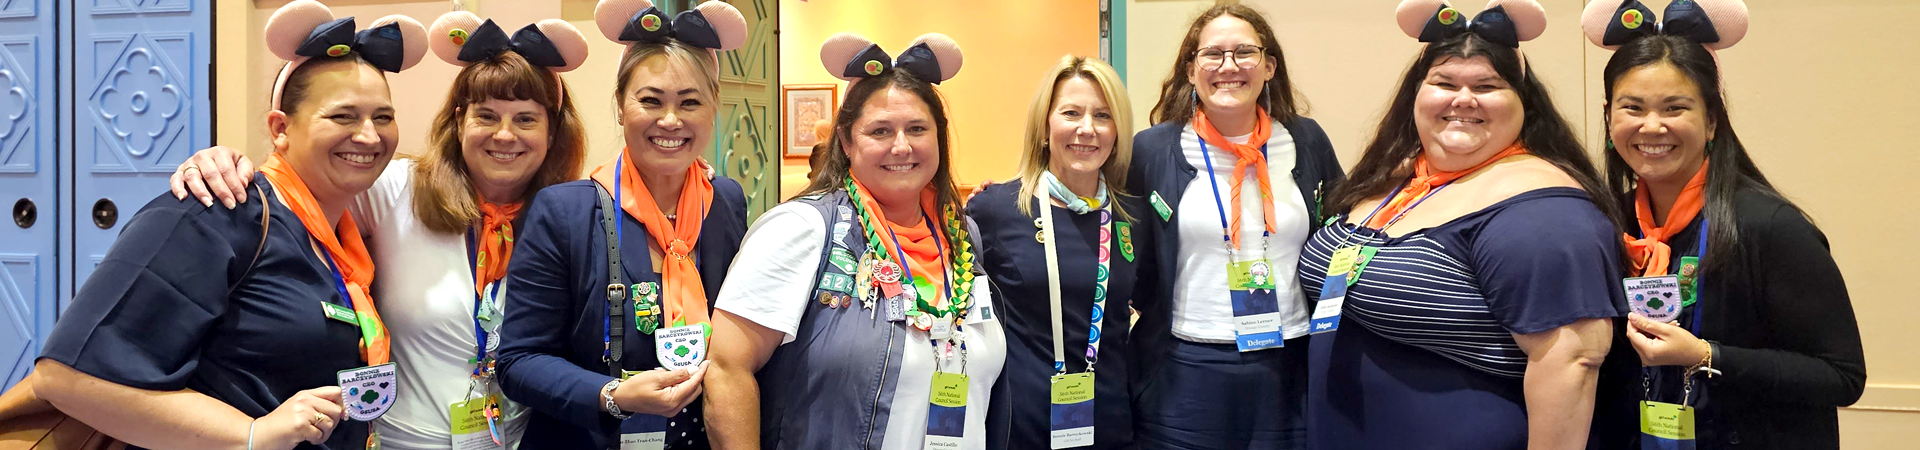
[190, 167]
[318, 418]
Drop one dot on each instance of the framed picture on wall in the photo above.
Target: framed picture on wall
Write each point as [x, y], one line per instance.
[803, 105]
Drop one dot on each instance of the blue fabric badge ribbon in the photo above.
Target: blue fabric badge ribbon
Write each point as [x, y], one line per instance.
[381, 46]
[1684, 19]
[1066, 196]
[529, 42]
[652, 26]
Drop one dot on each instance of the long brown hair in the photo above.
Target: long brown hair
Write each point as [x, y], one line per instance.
[1177, 101]
[443, 193]
[1396, 141]
[833, 171]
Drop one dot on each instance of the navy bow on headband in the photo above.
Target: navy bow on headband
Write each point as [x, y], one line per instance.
[381, 46]
[918, 61]
[1492, 24]
[488, 40]
[651, 25]
[1684, 19]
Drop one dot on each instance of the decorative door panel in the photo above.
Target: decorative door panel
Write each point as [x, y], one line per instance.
[140, 106]
[27, 176]
[746, 132]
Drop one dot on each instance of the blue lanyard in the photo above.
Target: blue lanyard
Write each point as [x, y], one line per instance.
[906, 266]
[339, 281]
[1699, 301]
[1226, 233]
[1403, 212]
[479, 332]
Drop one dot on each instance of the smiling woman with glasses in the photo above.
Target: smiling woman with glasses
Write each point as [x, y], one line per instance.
[1220, 343]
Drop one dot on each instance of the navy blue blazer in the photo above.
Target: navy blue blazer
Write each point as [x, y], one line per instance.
[551, 339]
[1160, 167]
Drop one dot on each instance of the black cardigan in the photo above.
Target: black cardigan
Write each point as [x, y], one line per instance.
[1160, 167]
[1783, 329]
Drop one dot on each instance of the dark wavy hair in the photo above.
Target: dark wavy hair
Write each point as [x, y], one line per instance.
[1545, 133]
[1731, 169]
[1177, 101]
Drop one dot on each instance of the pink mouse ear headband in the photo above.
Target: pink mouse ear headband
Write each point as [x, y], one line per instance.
[306, 29]
[714, 25]
[932, 57]
[1716, 24]
[1505, 22]
[461, 38]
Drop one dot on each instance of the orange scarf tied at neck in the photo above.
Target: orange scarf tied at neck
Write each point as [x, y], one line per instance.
[349, 254]
[1250, 159]
[495, 245]
[1650, 254]
[1426, 178]
[923, 244]
[684, 296]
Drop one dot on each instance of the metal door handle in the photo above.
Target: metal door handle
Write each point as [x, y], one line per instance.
[105, 214]
[24, 213]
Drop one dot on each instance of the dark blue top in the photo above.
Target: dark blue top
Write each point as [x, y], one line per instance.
[156, 313]
[1017, 264]
[551, 340]
[1160, 167]
[1424, 356]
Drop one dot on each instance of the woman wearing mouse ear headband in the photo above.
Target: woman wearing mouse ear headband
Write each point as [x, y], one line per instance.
[1233, 176]
[613, 277]
[229, 328]
[1467, 284]
[855, 316]
[1760, 340]
[441, 226]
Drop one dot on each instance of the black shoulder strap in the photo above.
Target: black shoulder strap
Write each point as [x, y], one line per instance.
[616, 285]
[266, 211]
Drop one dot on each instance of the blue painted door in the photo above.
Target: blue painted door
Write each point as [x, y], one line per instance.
[28, 173]
[140, 106]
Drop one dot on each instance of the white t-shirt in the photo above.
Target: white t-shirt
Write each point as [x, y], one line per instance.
[770, 282]
[1202, 307]
[424, 289]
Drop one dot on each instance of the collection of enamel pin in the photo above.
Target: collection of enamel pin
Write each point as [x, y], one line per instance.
[880, 276]
[483, 396]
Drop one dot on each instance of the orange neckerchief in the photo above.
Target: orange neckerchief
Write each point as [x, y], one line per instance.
[684, 295]
[349, 254]
[1425, 178]
[1649, 254]
[1251, 158]
[923, 244]
[495, 244]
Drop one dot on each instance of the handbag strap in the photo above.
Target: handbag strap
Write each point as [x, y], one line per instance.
[266, 211]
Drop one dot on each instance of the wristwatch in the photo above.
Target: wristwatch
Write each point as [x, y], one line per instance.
[606, 398]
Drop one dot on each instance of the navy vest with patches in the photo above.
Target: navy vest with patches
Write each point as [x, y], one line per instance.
[832, 387]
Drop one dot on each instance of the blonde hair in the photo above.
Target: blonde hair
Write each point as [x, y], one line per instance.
[699, 62]
[1035, 159]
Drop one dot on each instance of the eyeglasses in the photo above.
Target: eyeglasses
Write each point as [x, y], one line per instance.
[1245, 56]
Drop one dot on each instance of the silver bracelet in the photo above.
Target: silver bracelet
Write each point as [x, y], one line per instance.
[250, 433]
[606, 395]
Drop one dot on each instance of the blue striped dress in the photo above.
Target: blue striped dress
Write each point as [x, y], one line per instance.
[1424, 356]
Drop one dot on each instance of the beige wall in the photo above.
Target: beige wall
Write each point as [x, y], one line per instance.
[1817, 90]
[418, 93]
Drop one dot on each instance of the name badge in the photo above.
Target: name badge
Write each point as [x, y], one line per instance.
[1073, 413]
[1256, 308]
[1658, 298]
[946, 411]
[1341, 274]
[643, 432]
[340, 313]
[1666, 426]
[476, 424]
